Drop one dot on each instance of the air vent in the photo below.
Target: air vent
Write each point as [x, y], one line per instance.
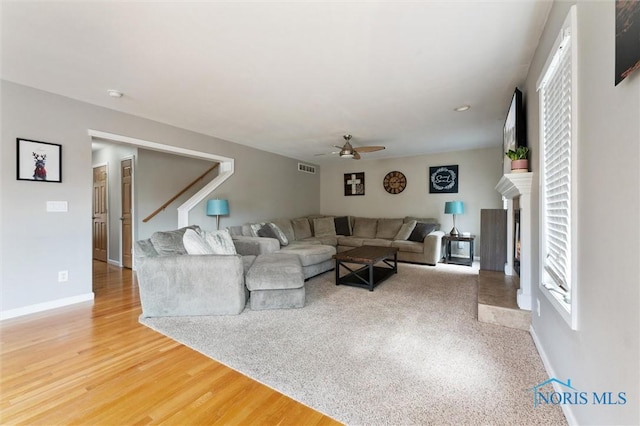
[307, 168]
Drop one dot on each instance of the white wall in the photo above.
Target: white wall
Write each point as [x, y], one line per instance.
[603, 354]
[35, 245]
[479, 171]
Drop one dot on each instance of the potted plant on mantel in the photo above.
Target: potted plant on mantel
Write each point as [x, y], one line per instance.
[519, 161]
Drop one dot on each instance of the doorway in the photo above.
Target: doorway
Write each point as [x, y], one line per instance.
[126, 186]
[100, 213]
[113, 204]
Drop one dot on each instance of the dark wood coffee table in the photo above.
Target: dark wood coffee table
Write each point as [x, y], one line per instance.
[368, 276]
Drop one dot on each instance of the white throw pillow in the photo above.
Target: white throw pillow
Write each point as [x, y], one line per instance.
[195, 244]
[255, 227]
[220, 242]
[406, 230]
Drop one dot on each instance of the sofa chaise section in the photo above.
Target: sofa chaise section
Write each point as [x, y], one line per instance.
[180, 285]
[173, 283]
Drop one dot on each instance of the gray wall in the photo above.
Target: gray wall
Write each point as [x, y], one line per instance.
[158, 177]
[36, 245]
[603, 354]
[479, 172]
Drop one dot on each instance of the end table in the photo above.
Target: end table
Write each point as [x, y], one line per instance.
[447, 249]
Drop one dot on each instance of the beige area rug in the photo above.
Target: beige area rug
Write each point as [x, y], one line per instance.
[411, 352]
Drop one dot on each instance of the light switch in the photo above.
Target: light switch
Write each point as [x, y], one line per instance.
[57, 206]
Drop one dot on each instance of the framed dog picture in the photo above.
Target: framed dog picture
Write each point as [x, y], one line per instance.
[39, 161]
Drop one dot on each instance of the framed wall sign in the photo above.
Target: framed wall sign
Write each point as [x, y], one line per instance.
[39, 161]
[354, 183]
[443, 179]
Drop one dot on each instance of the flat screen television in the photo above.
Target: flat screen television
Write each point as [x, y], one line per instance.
[514, 132]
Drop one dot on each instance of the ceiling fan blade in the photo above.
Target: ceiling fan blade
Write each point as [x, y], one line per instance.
[370, 148]
[356, 155]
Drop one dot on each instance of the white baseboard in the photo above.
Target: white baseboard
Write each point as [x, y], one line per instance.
[39, 307]
[114, 263]
[566, 408]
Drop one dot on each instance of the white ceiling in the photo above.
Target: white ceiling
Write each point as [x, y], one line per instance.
[286, 77]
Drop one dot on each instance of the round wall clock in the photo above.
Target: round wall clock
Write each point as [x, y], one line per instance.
[394, 182]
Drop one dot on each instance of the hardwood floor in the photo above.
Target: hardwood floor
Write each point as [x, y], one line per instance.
[93, 363]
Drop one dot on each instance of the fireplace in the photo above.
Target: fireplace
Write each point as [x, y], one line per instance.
[516, 238]
[516, 188]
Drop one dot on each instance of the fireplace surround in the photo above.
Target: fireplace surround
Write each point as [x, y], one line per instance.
[516, 188]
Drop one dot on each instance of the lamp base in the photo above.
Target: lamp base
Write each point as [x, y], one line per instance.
[454, 232]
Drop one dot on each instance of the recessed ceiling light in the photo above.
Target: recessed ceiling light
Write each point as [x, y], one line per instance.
[114, 93]
[462, 108]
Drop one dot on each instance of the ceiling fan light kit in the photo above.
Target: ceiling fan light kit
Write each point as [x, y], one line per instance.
[347, 151]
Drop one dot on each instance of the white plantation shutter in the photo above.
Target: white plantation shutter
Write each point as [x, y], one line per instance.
[557, 89]
[556, 97]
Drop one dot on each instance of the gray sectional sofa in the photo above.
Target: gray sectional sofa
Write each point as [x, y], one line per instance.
[266, 263]
[418, 240]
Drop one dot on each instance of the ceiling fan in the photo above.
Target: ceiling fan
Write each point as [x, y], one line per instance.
[348, 151]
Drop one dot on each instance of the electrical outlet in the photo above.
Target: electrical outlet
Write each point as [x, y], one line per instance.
[538, 306]
[63, 276]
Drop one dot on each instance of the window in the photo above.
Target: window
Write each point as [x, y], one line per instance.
[558, 116]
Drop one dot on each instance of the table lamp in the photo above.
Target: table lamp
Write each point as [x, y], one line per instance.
[216, 208]
[454, 208]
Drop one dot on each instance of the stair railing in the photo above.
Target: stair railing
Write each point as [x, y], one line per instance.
[185, 189]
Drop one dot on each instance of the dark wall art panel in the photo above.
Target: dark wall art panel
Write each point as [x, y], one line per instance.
[627, 38]
[443, 180]
[354, 183]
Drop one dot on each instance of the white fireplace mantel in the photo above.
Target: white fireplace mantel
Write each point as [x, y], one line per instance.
[514, 185]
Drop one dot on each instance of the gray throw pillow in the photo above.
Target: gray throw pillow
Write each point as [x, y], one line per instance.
[301, 228]
[421, 231]
[144, 248]
[169, 243]
[284, 241]
[388, 228]
[405, 231]
[324, 227]
[365, 228]
[286, 227]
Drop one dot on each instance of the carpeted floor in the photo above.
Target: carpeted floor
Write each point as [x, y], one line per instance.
[410, 352]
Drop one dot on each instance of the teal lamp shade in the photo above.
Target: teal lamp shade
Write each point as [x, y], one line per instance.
[217, 208]
[454, 208]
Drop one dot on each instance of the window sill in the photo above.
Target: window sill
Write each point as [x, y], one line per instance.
[567, 310]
